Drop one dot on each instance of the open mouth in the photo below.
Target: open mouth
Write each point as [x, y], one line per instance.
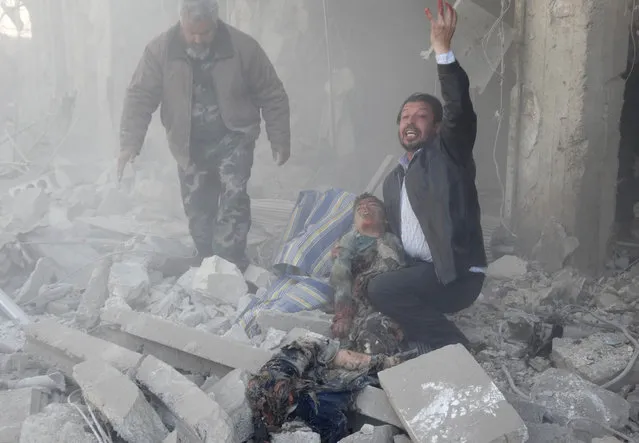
[411, 135]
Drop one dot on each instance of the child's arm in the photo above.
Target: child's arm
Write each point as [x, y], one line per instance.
[341, 280]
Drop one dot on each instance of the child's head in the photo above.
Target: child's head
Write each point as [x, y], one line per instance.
[369, 213]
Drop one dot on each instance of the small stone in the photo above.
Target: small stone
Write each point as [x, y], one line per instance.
[507, 267]
[220, 280]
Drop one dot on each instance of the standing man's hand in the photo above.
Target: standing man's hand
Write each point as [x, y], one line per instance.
[125, 158]
[443, 27]
[281, 154]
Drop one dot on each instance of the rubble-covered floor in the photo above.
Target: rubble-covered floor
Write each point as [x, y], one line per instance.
[129, 343]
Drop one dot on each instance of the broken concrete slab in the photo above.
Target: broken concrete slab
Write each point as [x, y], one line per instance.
[550, 433]
[95, 295]
[371, 434]
[120, 401]
[446, 395]
[43, 274]
[57, 423]
[508, 267]
[129, 280]
[295, 432]
[314, 321]
[554, 247]
[15, 407]
[199, 415]
[374, 403]
[568, 396]
[63, 347]
[206, 346]
[220, 280]
[260, 277]
[230, 394]
[597, 358]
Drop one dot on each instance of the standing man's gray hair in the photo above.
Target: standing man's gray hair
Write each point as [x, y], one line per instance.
[196, 10]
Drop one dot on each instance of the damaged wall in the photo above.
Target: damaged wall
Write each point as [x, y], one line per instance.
[572, 54]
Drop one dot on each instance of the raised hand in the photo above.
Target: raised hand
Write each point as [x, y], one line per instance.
[443, 27]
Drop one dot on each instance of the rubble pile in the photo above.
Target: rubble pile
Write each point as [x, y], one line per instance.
[112, 336]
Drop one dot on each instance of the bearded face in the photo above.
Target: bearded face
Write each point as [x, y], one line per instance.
[416, 125]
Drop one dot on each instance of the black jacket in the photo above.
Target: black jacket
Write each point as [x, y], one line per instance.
[440, 182]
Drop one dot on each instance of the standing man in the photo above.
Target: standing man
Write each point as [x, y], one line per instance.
[212, 82]
[432, 205]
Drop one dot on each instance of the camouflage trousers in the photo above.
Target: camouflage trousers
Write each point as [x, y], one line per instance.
[216, 202]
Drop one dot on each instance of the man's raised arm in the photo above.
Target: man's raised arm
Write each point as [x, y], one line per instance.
[459, 125]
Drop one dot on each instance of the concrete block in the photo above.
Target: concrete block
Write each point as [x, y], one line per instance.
[95, 295]
[568, 396]
[445, 395]
[15, 407]
[120, 401]
[597, 358]
[295, 432]
[129, 280]
[230, 394]
[314, 321]
[401, 439]
[371, 434]
[260, 277]
[43, 274]
[550, 433]
[198, 343]
[373, 403]
[199, 416]
[507, 267]
[220, 280]
[63, 347]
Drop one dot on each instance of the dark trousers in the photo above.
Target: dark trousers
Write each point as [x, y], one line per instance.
[216, 202]
[417, 301]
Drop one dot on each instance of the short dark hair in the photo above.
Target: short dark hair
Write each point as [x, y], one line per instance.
[430, 100]
[367, 196]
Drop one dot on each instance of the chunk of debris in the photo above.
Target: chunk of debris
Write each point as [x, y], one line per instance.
[95, 295]
[43, 274]
[371, 434]
[314, 321]
[237, 333]
[198, 414]
[551, 433]
[230, 394]
[273, 339]
[554, 247]
[445, 395]
[129, 280]
[608, 439]
[220, 280]
[401, 439]
[57, 423]
[508, 267]
[172, 438]
[260, 277]
[64, 347]
[15, 407]
[373, 403]
[568, 396]
[597, 358]
[120, 401]
[295, 432]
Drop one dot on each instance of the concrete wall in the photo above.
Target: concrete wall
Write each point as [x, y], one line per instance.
[571, 55]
